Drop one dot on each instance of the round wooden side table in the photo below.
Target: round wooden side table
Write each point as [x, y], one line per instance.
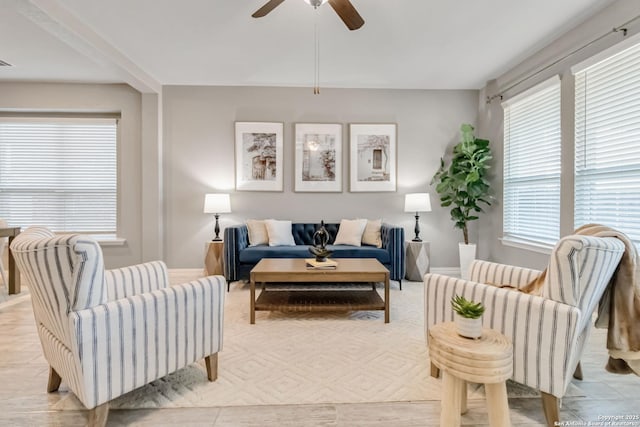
[487, 360]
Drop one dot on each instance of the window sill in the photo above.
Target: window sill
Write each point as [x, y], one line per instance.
[104, 241]
[528, 245]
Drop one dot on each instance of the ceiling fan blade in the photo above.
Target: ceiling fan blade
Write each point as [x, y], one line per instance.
[268, 7]
[347, 13]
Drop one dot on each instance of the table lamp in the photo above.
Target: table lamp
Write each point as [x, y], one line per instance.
[417, 202]
[217, 204]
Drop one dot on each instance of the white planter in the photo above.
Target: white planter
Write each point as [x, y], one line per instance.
[468, 328]
[467, 255]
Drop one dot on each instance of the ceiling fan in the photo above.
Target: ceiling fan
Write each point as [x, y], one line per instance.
[343, 8]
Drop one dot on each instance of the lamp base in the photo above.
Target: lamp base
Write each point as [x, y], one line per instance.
[417, 229]
[216, 229]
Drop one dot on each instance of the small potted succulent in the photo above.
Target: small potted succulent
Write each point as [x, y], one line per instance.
[468, 317]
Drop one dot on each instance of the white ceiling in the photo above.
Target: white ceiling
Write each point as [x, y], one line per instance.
[412, 44]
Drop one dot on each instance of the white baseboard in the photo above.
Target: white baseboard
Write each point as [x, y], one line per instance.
[447, 271]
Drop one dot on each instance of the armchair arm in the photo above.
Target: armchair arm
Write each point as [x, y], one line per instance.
[544, 332]
[393, 242]
[135, 279]
[501, 275]
[130, 342]
[236, 238]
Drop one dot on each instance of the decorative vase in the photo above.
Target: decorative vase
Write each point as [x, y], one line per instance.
[467, 255]
[468, 328]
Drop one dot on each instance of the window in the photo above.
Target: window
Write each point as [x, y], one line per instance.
[60, 173]
[532, 155]
[607, 135]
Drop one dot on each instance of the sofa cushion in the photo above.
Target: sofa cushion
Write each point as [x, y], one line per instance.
[257, 232]
[279, 232]
[253, 254]
[350, 232]
[344, 251]
[371, 235]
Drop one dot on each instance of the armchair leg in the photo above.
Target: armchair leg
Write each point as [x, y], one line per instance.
[54, 381]
[577, 374]
[400, 283]
[211, 362]
[435, 371]
[550, 404]
[98, 415]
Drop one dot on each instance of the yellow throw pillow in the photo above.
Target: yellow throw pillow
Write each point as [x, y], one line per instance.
[371, 235]
[257, 232]
[350, 232]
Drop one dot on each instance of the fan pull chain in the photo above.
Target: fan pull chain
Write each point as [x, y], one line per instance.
[316, 76]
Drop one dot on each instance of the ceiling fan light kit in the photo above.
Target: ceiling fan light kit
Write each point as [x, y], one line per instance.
[316, 3]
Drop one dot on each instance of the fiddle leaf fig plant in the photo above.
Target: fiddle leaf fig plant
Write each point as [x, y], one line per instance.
[462, 184]
[466, 308]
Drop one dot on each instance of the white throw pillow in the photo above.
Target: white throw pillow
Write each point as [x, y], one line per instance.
[350, 232]
[279, 232]
[257, 232]
[371, 235]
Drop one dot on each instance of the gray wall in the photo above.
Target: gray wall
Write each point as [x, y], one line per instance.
[490, 117]
[98, 98]
[199, 158]
[178, 145]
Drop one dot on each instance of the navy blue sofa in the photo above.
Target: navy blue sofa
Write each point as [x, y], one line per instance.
[240, 258]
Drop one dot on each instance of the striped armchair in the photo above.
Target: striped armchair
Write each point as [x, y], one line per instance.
[106, 333]
[548, 331]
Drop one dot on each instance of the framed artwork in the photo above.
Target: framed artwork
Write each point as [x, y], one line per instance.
[259, 159]
[318, 157]
[372, 157]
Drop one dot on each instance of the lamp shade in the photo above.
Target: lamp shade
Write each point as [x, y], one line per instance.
[417, 202]
[217, 203]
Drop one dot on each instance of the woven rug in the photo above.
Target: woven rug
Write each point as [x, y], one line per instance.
[304, 358]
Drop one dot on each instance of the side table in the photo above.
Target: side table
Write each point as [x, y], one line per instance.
[417, 259]
[13, 287]
[213, 258]
[487, 360]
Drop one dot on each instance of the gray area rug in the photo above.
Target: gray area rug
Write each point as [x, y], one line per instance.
[304, 358]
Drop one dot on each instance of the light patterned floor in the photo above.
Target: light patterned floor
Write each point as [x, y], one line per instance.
[24, 401]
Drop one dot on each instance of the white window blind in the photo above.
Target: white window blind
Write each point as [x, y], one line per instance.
[532, 143]
[607, 133]
[59, 172]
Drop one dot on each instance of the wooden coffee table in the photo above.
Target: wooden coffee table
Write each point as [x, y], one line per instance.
[349, 270]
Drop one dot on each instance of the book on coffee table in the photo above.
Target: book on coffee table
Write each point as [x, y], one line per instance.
[321, 265]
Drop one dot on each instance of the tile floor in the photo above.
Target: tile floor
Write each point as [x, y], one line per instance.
[24, 401]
